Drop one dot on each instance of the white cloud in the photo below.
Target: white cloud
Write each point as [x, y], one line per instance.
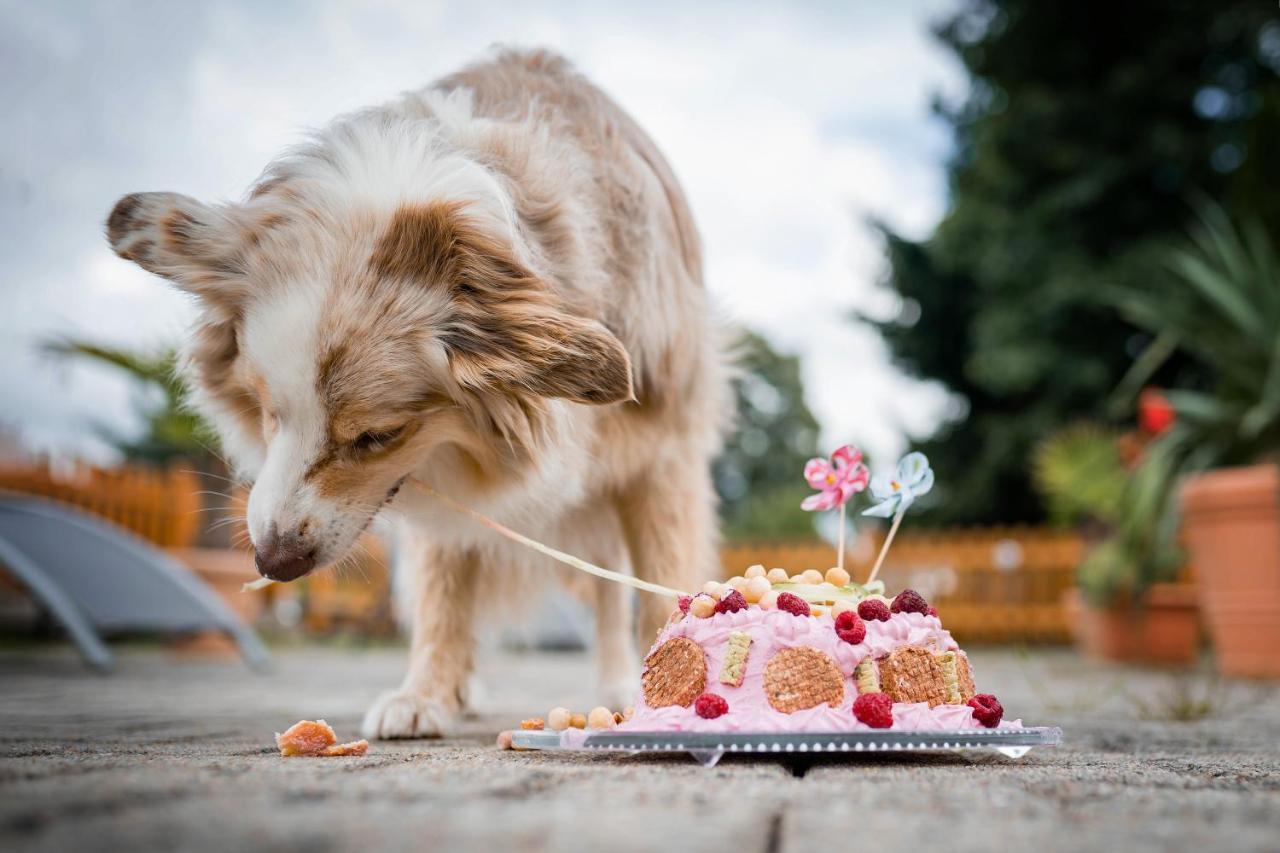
[788, 125]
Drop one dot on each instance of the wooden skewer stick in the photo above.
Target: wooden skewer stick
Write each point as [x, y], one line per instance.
[840, 542]
[884, 549]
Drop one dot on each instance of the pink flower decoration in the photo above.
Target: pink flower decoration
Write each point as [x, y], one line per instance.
[836, 481]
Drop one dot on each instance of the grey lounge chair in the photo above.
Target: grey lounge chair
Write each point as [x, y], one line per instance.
[97, 579]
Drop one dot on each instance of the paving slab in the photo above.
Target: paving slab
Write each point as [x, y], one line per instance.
[174, 753]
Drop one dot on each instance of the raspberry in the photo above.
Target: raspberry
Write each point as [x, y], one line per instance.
[732, 603]
[987, 709]
[683, 603]
[909, 601]
[933, 611]
[874, 610]
[874, 709]
[793, 604]
[709, 706]
[850, 628]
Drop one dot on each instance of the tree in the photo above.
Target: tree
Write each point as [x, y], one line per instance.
[1086, 130]
[758, 476]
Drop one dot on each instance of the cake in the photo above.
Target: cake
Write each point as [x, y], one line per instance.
[757, 655]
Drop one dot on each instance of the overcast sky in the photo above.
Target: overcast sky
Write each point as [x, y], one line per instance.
[789, 124]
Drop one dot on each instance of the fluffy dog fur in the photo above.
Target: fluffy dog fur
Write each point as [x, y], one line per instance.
[494, 285]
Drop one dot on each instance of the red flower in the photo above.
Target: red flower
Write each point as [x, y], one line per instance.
[1155, 412]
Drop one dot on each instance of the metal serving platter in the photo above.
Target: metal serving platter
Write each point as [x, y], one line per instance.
[708, 748]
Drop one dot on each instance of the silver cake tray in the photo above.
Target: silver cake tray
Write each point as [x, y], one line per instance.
[708, 748]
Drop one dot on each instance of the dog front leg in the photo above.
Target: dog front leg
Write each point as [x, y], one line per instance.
[442, 590]
[670, 518]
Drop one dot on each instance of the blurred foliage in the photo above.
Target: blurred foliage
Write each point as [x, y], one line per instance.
[759, 474]
[1222, 315]
[171, 430]
[1079, 473]
[1085, 130]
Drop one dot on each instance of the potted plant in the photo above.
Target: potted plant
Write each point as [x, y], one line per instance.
[1125, 605]
[1219, 453]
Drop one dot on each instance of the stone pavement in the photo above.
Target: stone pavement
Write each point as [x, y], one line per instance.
[172, 753]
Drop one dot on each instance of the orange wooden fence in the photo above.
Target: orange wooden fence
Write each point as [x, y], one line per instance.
[162, 506]
[989, 584]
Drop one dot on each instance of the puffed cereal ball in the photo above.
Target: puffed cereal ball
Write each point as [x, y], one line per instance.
[778, 576]
[837, 576]
[558, 719]
[756, 571]
[812, 576]
[702, 606]
[712, 588]
[768, 601]
[600, 718]
[756, 588]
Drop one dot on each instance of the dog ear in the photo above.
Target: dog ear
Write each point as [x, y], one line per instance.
[174, 236]
[506, 328]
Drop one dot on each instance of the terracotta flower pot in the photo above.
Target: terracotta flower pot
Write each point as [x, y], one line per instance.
[1231, 521]
[1164, 628]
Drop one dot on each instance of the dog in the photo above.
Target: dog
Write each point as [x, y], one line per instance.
[492, 285]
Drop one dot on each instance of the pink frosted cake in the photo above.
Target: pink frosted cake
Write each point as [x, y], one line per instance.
[771, 653]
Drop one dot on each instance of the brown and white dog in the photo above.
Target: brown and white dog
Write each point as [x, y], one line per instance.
[493, 285]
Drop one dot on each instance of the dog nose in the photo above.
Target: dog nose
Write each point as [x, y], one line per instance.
[284, 558]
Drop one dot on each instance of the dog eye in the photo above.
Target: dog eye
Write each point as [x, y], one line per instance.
[374, 439]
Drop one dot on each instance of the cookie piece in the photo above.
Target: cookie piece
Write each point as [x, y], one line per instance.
[800, 678]
[675, 673]
[913, 674]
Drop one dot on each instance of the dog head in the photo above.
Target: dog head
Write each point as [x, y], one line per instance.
[340, 343]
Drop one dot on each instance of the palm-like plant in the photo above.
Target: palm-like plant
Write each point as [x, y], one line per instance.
[1079, 472]
[1224, 315]
[172, 431]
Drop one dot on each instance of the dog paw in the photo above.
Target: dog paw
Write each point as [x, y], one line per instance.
[405, 714]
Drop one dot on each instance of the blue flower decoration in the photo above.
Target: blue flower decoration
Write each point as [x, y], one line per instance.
[894, 494]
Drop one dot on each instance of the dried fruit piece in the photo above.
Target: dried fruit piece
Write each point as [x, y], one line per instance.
[709, 706]
[306, 737]
[316, 738]
[793, 604]
[873, 609]
[578, 721]
[851, 628]
[732, 602]
[342, 750]
[987, 710]
[909, 601]
[535, 724]
[683, 603]
[874, 709]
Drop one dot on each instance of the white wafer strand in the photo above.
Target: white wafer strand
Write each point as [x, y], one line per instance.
[260, 583]
[567, 559]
